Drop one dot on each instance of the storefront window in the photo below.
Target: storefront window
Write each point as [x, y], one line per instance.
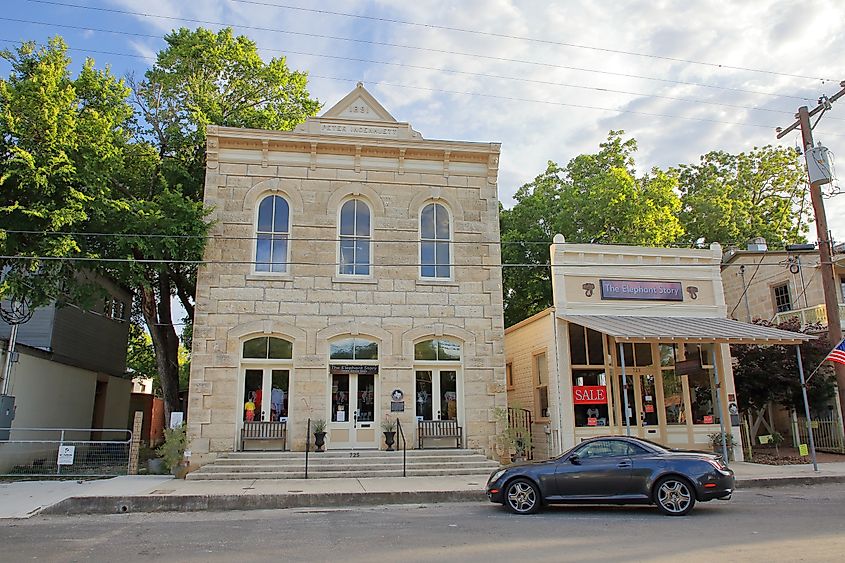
[589, 393]
[638, 355]
[585, 346]
[697, 352]
[340, 398]
[702, 397]
[667, 355]
[673, 398]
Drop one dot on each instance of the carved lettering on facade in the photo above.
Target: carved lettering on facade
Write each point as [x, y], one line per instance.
[364, 130]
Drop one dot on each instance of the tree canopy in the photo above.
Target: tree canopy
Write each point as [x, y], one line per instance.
[595, 198]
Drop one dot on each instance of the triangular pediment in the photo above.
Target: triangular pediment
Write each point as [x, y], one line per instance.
[359, 104]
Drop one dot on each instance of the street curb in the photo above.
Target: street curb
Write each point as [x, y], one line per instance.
[218, 503]
[766, 482]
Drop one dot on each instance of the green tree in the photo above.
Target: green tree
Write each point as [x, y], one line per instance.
[62, 142]
[596, 198]
[199, 78]
[731, 199]
[765, 374]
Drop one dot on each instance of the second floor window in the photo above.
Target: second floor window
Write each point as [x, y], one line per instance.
[435, 239]
[272, 232]
[782, 299]
[354, 238]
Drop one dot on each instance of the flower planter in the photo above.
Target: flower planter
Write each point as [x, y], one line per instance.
[389, 440]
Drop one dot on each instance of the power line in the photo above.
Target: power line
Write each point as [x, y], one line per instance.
[463, 30]
[401, 46]
[87, 259]
[455, 71]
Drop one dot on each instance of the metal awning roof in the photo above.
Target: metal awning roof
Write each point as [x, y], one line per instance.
[685, 329]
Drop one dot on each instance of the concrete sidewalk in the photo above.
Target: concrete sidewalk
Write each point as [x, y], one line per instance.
[163, 494]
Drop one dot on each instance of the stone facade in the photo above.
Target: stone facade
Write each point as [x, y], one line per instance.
[355, 151]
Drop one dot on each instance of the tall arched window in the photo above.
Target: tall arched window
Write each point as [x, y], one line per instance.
[273, 229]
[354, 238]
[438, 389]
[435, 240]
[267, 364]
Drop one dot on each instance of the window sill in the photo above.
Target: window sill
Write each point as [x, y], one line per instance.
[433, 281]
[269, 277]
[341, 279]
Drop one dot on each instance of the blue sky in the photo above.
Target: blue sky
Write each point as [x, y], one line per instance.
[527, 94]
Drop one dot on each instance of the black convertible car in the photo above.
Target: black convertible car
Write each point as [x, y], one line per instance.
[614, 470]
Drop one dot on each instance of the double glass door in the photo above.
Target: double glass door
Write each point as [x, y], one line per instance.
[353, 410]
[437, 394]
[642, 411]
[266, 394]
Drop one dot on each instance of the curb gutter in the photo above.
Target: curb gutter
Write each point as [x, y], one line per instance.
[198, 503]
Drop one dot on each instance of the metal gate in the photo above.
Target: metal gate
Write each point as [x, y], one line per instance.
[65, 452]
[827, 434]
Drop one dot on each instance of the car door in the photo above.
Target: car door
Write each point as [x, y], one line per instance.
[596, 470]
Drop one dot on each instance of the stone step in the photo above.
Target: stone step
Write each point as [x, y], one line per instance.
[216, 468]
[345, 453]
[365, 460]
[315, 474]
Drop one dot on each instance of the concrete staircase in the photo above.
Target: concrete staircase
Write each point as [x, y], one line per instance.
[344, 464]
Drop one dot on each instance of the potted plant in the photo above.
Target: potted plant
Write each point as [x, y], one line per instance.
[512, 443]
[716, 443]
[319, 427]
[388, 426]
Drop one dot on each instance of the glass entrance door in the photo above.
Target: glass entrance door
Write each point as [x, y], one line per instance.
[353, 411]
[642, 414]
[437, 394]
[266, 394]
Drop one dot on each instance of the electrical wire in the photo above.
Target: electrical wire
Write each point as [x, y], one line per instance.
[446, 70]
[447, 28]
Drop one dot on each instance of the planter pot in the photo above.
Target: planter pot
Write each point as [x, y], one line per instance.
[389, 440]
[319, 441]
[155, 466]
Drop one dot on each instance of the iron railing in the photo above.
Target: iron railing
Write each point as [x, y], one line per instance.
[401, 435]
[307, 446]
[520, 421]
[65, 452]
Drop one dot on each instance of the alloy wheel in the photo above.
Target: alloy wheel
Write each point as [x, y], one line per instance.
[674, 497]
[522, 497]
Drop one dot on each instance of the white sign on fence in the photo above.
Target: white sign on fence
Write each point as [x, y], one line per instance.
[66, 455]
[176, 419]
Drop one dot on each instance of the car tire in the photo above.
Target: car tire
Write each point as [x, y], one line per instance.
[522, 497]
[674, 496]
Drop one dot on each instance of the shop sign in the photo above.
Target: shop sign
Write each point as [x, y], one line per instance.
[592, 421]
[649, 408]
[66, 454]
[589, 394]
[639, 290]
[342, 369]
[708, 420]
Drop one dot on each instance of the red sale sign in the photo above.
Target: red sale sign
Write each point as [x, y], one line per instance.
[589, 394]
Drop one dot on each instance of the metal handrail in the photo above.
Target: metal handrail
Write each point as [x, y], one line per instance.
[404, 446]
[307, 445]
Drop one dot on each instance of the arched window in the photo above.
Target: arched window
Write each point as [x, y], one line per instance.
[435, 241]
[273, 229]
[353, 349]
[438, 350]
[268, 348]
[354, 238]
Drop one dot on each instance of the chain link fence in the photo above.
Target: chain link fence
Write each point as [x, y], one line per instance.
[65, 452]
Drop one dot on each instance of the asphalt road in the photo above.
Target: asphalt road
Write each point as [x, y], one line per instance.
[778, 524]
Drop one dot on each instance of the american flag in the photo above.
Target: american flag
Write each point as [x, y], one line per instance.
[837, 354]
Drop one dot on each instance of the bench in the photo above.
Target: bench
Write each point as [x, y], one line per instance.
[439, 429]
[264, 430]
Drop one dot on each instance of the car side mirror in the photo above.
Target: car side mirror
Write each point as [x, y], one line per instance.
[574, 459]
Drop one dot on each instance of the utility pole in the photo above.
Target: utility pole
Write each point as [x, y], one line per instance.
[834, 326]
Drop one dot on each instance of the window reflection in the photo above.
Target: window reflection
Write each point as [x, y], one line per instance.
[271, 245]
[435, 237]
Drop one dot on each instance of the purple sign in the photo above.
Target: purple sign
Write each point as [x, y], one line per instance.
[642, 290]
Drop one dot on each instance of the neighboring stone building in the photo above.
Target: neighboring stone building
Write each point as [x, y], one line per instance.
[776, 285]
[353, 274]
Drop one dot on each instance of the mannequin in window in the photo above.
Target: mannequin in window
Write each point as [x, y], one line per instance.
[249, 407]
[277, 401]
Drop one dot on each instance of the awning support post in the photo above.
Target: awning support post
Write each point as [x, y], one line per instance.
[625, 389]
[806, 408]
[719, 404]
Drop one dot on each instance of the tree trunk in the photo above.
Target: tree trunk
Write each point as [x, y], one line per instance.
[155, 306]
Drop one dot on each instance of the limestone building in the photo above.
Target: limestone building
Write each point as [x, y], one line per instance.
[352, 275]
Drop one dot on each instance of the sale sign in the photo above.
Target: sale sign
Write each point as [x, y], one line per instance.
[589, 394]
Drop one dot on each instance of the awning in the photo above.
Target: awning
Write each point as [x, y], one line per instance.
[685, 329]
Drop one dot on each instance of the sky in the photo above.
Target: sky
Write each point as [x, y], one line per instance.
[547, 79]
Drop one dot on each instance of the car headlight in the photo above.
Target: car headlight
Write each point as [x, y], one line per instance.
[495, 476]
